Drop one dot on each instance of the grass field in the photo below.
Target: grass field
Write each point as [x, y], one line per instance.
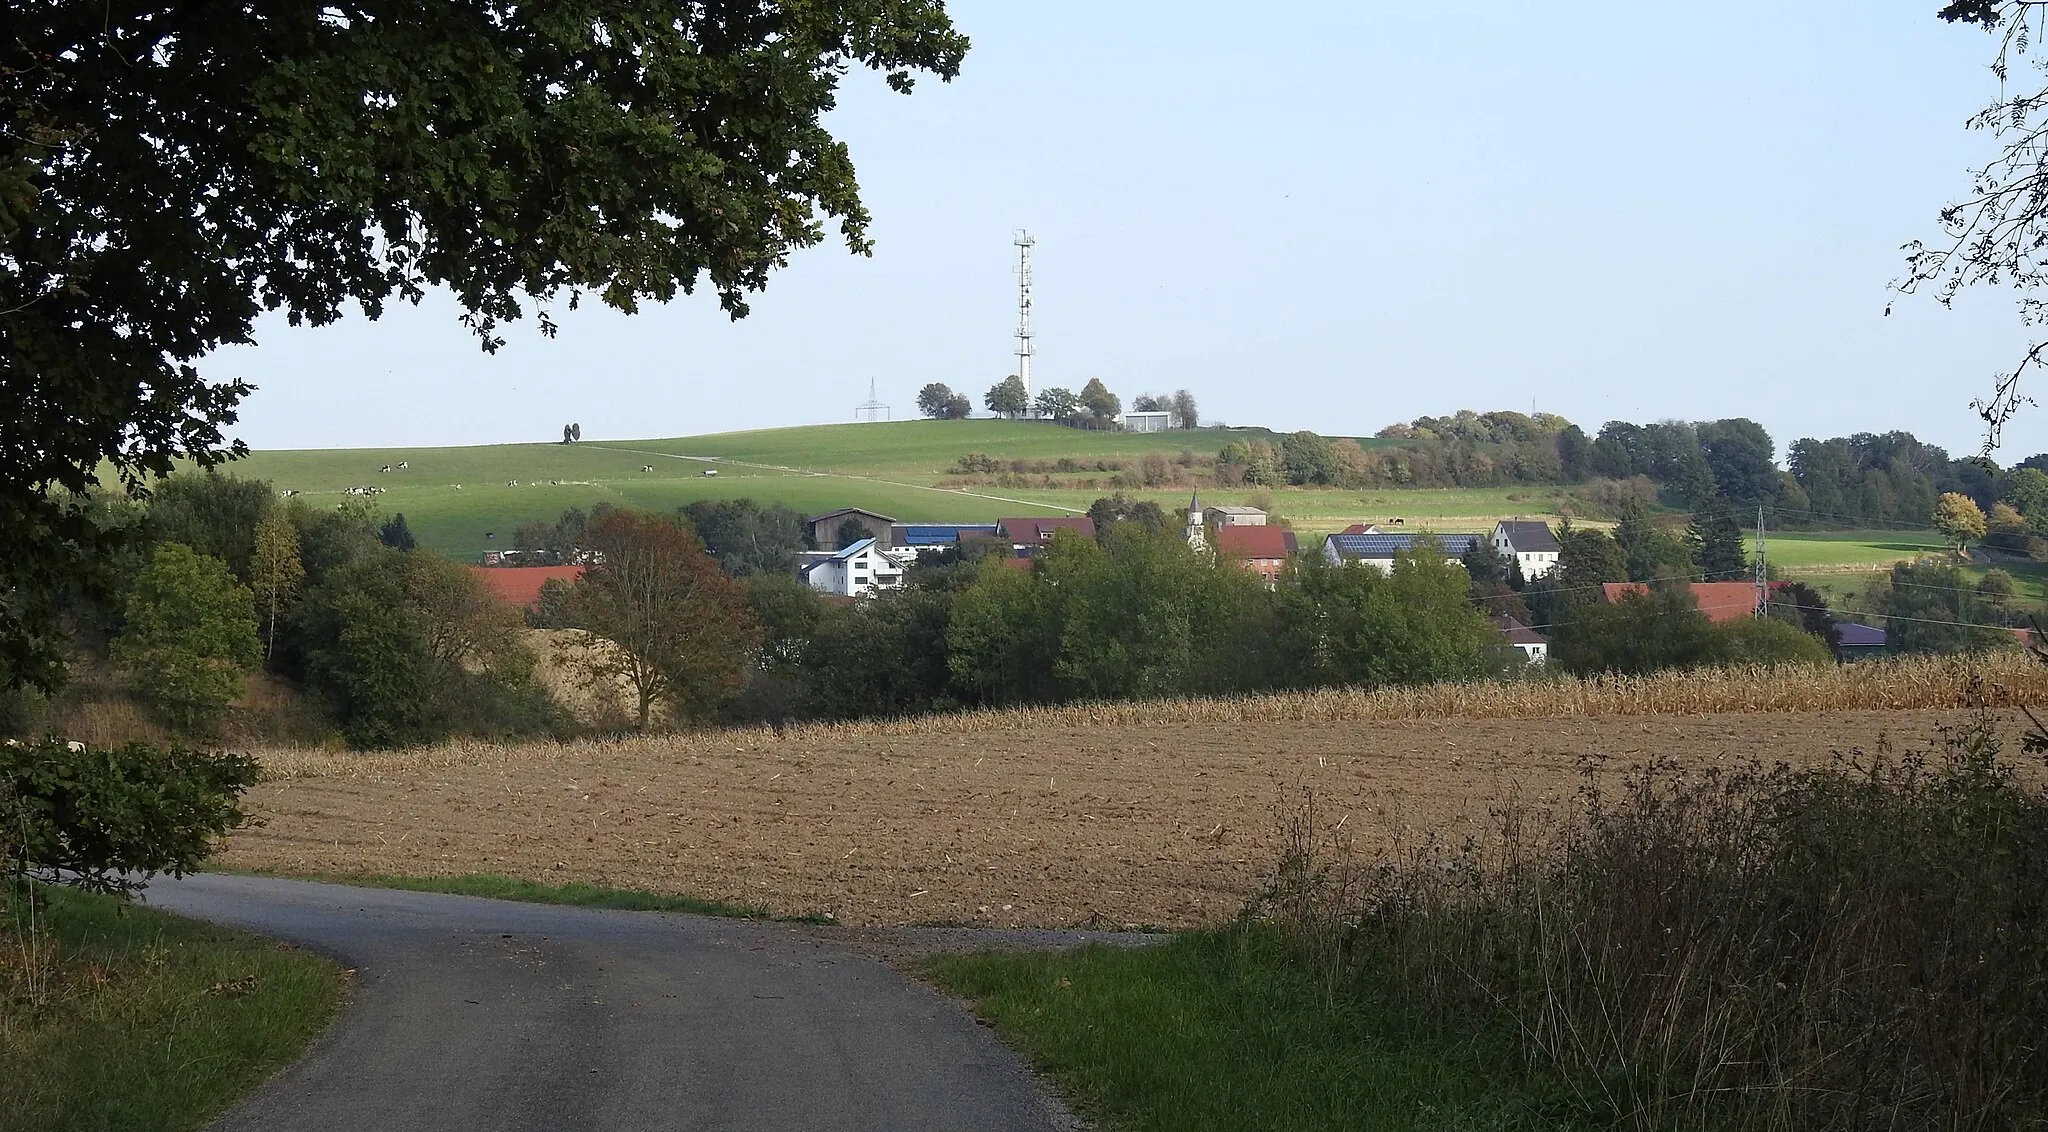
[124, 1019]
[464, 501]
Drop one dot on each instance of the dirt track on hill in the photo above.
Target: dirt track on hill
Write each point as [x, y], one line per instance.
[1165, 826]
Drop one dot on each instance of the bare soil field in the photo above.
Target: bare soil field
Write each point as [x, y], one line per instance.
[1158, 825]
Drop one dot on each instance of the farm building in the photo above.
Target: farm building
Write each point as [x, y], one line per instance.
[1362, 529]
[852, 571]
[1859, 642]
[1527, 641]
[1148, 422]
[1531, 545]
[1261, 549]
[1378, 551]
[520, 585]
[1720, 601]
[1234, 517]
[938, 536]
[824, 529]
[1032, 531]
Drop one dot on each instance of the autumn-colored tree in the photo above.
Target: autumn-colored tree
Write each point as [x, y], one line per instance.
[679, 630]
[1959, 520]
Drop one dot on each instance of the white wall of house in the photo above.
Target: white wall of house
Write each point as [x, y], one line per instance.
[857, 570]
[1534, 564]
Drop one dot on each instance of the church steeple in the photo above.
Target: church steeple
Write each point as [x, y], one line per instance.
[1198, 536]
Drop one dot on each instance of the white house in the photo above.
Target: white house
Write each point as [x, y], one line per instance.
[1148, 422]
[856, 570]
[1378, 550]
[1531, 545]
[1529, 642]
[1235, 517]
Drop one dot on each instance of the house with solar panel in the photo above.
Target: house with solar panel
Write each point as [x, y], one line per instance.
[851, 571]
[1531, 545]
[1378, 551]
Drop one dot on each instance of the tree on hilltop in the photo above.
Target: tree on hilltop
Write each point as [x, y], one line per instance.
[1007, 398]
[1185, 412]
[168, 174]
[1056, 404]
[939, 402]
[1099, 401]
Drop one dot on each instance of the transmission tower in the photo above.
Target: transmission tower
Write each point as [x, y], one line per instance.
[871, 410]
[1024, 245]
[1763, 585]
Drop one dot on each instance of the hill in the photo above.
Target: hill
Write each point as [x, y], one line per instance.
[464, 501]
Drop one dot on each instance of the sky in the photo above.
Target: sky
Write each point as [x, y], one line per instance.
[1329, 215]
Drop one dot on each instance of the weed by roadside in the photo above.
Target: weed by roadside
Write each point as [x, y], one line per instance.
[115, 1017]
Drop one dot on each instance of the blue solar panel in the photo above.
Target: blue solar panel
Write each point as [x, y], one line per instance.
[1386, 546]
[933, 534]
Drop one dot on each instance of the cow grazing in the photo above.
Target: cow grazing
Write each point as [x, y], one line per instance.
[647, 467]
[402, 465]
[385, 468]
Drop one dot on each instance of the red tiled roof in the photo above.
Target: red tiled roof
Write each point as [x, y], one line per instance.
[520, 585]
[1361, 529]
[1247, 543]
[1040, 529]
[1720, 601]
[1516, 633]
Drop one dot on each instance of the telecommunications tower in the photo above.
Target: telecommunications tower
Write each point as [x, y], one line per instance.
[1024, 245]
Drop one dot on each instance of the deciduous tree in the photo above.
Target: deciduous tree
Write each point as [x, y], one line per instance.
[1186, 414]
[1056, 404]
[1007, 398]
[1099, 401]
[168, 173]
[275, 573]
[1959, 520]
[190, 634]
[938, 401]
[683, 636]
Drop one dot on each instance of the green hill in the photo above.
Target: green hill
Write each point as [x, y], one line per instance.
[463, 501]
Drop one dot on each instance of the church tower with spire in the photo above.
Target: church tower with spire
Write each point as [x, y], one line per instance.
[1198, 535]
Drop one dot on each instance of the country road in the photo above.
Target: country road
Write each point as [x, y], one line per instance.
[481, 1014]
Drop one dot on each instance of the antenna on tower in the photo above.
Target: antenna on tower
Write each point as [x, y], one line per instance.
[871, 410]
[1024, 245]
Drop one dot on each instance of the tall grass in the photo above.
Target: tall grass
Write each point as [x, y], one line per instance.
[1998, 680]
[1860, 946]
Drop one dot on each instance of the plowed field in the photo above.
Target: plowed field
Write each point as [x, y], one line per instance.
[1166, 826]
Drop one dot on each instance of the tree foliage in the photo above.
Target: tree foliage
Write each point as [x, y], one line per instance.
[683, 636]
[938, 401]
[1056, 404]
[1715, 539]
[1100, 403]
[275, 573]
[1007, 398]
[1959, 520]
[167, 174]
[746, 537]
[106, 819]
[189, 638]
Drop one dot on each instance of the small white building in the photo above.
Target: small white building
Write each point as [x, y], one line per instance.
[1525, 640]
[856, 570]
[1531, 545]
[1148, 422]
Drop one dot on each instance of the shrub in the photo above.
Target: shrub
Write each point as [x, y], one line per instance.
[1861, 946]
[107, 818]
[190, 633]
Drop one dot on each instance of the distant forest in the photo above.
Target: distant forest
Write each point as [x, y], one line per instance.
[1864, 479]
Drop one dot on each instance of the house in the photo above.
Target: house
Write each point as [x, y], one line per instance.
[1362, 529]
[1720, 601]
[824, 530]
[1032, 531]
[1859, 642]
[851, 571]
[1261, 549]
[1530, 545]
[1378, 551]
[520, 585]
[1234, 517]
[1527, 641]
[1148, 422]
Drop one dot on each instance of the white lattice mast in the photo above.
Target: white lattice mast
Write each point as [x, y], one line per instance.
[1024, 245]
[1763, 575]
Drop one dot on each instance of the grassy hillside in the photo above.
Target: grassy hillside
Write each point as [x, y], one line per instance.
[463, 501]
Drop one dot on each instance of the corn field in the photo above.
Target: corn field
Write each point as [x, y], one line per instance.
[2000, 680]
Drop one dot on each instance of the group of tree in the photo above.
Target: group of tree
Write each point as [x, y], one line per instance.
[571, 433]
[1094, 407]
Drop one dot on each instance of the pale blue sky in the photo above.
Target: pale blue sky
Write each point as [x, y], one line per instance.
[1328, 216]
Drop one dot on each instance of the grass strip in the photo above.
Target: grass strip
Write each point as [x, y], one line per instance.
[116, 1017]
[496, 887]
[1223, 1030]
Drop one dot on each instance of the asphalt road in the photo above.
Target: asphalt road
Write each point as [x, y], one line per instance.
[482, 1014]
